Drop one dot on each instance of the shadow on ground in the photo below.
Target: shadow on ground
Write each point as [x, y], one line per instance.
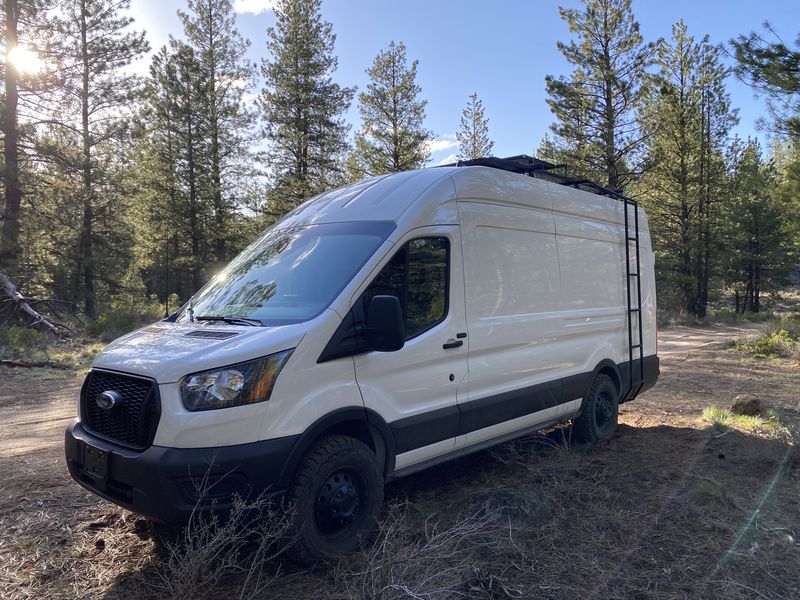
[659, 512]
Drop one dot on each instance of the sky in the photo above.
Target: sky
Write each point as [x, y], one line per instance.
[501, 50]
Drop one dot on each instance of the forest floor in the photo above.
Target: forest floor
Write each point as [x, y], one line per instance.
[673, 507]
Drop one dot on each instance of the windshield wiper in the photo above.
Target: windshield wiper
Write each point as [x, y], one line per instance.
[231, 320]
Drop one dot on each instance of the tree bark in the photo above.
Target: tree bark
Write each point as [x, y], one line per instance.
[194, 224]
[86, 241]
[10, 249]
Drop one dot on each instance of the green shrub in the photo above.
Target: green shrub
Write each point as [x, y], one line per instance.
[722, 419]
[778, 343]
[18, 341]
[111, 325]
[726, 315]
[779, 337]
[122, 316]
[729, 315]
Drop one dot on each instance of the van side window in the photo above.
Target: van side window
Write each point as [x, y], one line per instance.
[418, 276]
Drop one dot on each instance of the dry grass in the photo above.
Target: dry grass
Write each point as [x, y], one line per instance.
[439, 562]
[210, 551]
[682, 503]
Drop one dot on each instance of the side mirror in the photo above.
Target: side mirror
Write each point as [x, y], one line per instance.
[385, 329]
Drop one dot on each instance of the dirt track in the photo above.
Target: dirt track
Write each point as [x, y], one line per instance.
[668, 509]
[686, 339]
[36, 411]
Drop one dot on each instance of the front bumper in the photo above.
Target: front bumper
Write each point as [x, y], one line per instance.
[167, 484]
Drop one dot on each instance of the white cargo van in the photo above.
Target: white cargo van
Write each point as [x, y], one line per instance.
[374, 331]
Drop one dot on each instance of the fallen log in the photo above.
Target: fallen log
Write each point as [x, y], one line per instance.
[32, 365]
[37, 321]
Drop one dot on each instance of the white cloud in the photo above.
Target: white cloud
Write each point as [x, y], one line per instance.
[445, 142]
[254, 6]
[450, 158]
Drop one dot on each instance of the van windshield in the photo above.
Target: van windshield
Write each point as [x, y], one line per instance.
[290, 274]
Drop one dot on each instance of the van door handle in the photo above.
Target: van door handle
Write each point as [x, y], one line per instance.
[451, 343]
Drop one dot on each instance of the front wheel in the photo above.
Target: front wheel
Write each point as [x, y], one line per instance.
[598, 419]
[337, 493]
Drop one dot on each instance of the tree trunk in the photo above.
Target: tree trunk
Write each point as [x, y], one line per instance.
[757, 274]
[686, 259]
[216, 176]
[86, 241]
[193, 220]
[219, 209]
[705, 222]
[610, 121]
[10, 250]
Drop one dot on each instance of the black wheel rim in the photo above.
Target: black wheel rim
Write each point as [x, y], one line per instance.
[604, 410]
[340, 503]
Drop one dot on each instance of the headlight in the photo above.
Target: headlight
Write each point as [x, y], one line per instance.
[235, 385]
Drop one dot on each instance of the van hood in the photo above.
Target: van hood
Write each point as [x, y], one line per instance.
[169, 351]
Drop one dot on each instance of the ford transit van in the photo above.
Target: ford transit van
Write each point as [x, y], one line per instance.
[376, 330]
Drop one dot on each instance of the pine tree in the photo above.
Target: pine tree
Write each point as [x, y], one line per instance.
[23, 26]
[717, 118]
[757, 238]
[687, 119]
[302, 106]
[672, 119]
[165, 135]
[473, 135]
[596, 130]
[96, 46]
[210, 28]
[392, 137]
[773, 69]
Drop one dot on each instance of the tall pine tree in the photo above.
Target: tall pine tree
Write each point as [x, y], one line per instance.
[596, 130]
[392, 137]
[210, 27]
[97, 43]
[757, 236]
[302, 106]
[687, 120]
[25, 27]
[473, 134]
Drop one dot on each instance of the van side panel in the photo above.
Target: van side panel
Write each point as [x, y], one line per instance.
[513, 292]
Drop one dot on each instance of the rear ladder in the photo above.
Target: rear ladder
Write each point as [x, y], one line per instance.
[634, 282]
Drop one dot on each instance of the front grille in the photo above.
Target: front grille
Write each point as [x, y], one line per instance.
[133, 422]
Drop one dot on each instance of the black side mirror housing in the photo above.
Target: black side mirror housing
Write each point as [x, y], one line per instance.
[386, 331]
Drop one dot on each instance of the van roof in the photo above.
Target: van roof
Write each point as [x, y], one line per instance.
[389, 197]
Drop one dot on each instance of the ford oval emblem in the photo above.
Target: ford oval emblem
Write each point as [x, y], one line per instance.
[109, 400]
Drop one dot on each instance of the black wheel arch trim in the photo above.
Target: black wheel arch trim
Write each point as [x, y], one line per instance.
[379, 430]
[607, 363]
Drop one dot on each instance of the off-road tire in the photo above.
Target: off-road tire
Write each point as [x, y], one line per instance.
[599, 412]
[332, 461]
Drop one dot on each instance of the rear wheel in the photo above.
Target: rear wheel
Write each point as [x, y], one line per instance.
[600, 411]
[337, 493]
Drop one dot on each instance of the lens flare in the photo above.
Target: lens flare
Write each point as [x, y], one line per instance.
[25, 61]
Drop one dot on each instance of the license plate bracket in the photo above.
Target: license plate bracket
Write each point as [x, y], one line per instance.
[96, 463]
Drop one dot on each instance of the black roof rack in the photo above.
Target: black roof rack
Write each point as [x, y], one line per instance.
[541, 169]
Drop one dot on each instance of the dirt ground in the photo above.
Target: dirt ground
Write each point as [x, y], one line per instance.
[670, 508]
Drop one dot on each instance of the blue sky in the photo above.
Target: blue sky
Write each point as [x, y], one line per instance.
[501, 50]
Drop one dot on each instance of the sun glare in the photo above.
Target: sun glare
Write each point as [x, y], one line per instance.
[24, 60]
